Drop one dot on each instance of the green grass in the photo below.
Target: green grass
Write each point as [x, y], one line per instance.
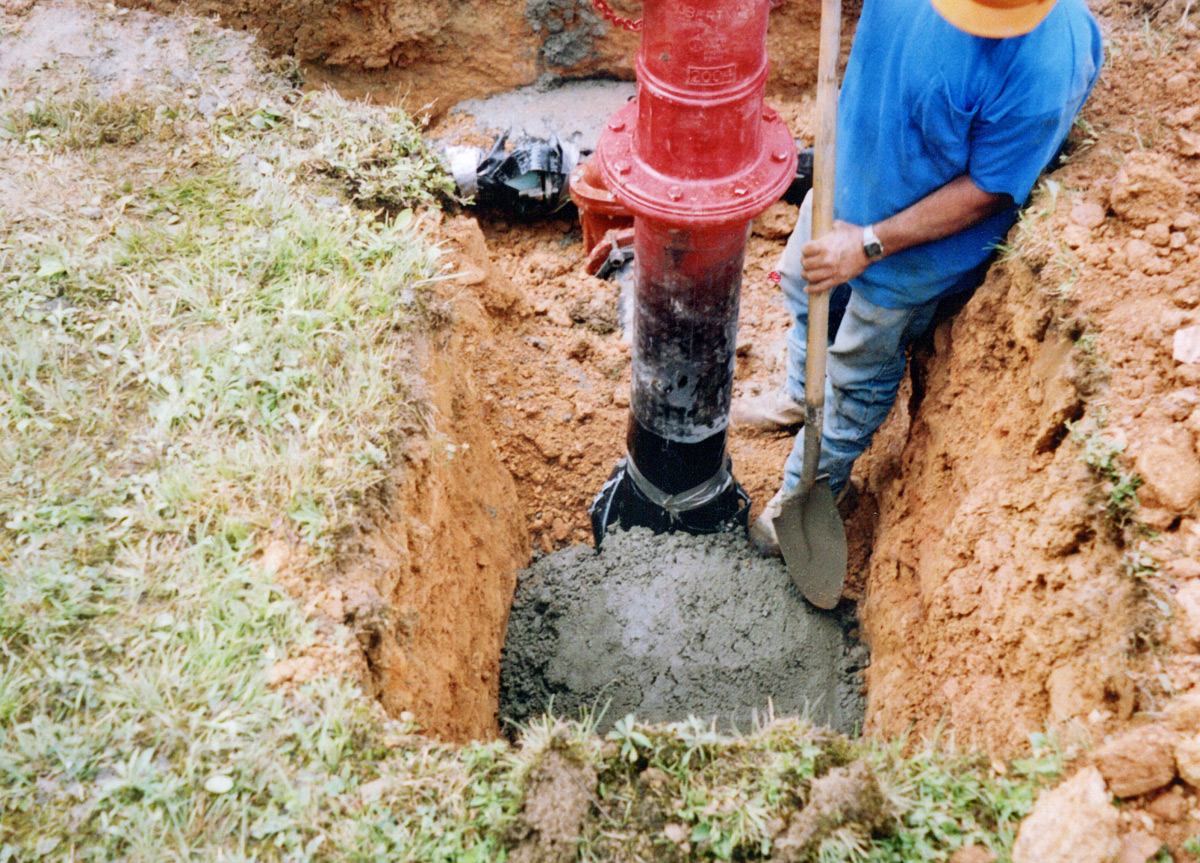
[218, 350]
[217, 355]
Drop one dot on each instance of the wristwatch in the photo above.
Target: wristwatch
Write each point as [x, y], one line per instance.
[872, 248]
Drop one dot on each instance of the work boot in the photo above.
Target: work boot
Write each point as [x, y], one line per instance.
[771, 411]
[762, 532]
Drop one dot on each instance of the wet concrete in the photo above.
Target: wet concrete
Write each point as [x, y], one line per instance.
[575, 111]
[667, 627]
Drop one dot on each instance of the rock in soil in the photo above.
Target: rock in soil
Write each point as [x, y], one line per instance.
[667, 627]
[1074, 823]
[1138, 761]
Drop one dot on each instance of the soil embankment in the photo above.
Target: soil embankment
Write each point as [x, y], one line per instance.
[436, 53]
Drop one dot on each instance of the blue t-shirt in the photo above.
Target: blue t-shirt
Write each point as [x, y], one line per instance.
[923, 102]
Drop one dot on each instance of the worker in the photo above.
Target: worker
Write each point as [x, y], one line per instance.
[949, 110]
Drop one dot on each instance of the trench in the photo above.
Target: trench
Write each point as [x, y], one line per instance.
[664, 627]
[997, 603]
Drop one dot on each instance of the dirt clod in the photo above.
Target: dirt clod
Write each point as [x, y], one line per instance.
[1138, 761]
[1146, 189]
[557, 800]
[1074, 823]
[846, 798]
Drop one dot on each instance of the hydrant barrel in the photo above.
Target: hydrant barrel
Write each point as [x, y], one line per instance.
[702, 71]
[695, 157]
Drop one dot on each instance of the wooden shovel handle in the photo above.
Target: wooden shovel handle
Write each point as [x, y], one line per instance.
[822, 223]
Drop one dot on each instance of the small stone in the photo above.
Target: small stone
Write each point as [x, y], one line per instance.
[1169, 806]
[560, 529]
[558, 316]
[1182, 569]
[1076, 235]
[218, 783]
[676, 833]
[1074, 823]
[1187, 755]
[973, 854]
[1138, 761]
[1086, 214]
[1178, 240]
[1187, 600]
[1158, 234]
[1177, 83]
[1186, 346]
[1138, 846]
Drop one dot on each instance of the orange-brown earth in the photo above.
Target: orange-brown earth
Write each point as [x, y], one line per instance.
[435, 53]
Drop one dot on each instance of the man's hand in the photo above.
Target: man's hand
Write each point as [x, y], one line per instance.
[837, 257]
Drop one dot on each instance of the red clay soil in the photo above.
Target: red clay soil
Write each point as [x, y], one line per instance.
[432, 54]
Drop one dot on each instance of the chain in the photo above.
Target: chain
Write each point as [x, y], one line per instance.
[632, 24]
[635, 24]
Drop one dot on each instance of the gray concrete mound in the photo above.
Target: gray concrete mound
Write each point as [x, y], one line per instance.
[668, 627]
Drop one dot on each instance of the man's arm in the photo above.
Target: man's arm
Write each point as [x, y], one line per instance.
[838, 256]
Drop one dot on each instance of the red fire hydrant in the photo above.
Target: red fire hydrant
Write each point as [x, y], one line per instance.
[695, 157]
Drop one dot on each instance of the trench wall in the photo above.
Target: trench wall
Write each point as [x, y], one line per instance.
[432, 54]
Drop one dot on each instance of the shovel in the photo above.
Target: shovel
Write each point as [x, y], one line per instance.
[809, 529]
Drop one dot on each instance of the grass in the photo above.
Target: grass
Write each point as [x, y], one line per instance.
[214, 354]
[219, 349]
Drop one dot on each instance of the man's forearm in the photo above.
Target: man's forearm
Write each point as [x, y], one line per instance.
[838, 256]
[952, 208]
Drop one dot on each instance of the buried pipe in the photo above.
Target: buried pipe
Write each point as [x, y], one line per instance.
[695, 157]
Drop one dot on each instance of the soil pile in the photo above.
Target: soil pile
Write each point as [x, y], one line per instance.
[667, 627]
[436, 53]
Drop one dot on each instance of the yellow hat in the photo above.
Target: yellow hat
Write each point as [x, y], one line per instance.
[994, 19]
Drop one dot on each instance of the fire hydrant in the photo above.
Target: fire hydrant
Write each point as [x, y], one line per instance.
[695, 157]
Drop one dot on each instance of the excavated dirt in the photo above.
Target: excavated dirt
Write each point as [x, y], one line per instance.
[674, 627]
[436, 53]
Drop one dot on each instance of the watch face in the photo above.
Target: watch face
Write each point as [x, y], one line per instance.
[873, 249]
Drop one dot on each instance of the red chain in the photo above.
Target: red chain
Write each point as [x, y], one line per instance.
[635, 24]
[632, 24]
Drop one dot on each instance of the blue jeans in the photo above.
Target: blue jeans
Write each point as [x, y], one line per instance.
[866, 363]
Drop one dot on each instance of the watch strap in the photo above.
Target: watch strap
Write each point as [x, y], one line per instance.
[872, 247]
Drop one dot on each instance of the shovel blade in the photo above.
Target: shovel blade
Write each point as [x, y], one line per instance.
[813, 542]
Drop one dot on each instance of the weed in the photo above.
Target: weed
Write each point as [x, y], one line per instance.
[1117, 487]
[1138, 565]
[1157, 41]
[82, 121]
[1032, 240]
